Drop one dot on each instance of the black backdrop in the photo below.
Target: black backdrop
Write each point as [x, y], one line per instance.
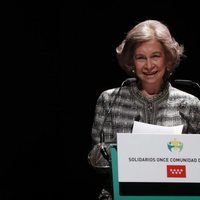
[61, 56]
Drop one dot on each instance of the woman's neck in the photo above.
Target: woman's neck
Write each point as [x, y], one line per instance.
[151, 90]
[148, 93]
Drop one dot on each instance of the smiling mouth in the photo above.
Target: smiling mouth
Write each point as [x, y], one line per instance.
[149, 74]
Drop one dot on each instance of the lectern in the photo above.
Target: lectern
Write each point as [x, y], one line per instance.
[143, 194]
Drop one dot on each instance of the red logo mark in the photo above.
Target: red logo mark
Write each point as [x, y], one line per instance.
[176, 171]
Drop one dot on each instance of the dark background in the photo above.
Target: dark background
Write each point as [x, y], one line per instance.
[61, 55]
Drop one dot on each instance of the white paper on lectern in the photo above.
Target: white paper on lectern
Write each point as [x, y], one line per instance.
[144, 128]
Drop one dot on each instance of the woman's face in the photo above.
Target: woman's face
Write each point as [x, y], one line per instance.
[150, 62]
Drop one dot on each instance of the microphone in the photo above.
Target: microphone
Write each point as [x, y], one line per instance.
[186, 82]
[128, 81]
[125, 82]
[102, 136]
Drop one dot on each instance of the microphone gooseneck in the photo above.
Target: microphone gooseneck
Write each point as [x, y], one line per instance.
[125, 82]
[186, 82]
[102, 136]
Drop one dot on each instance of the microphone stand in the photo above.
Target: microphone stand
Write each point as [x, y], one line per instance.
[102, 136]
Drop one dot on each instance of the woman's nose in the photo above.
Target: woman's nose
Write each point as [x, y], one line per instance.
[149, 64]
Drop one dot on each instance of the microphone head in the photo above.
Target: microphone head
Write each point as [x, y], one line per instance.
[128, 81]
[188, 83]
[184, 82]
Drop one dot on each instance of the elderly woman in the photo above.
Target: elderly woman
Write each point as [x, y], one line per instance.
[150, 54]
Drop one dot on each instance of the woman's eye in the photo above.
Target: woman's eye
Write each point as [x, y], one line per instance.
[140, 58]
[156, 56]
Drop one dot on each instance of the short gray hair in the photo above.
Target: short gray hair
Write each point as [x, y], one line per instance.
[145, 31]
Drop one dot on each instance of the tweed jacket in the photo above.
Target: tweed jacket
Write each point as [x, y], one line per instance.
[169, 108]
